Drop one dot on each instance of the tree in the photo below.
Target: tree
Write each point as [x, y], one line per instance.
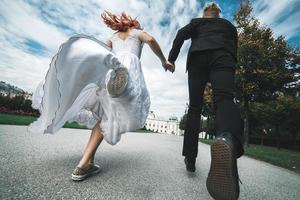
[208, 111]
[282, 114]
[183, 119]
[182, 122]
[264, 68]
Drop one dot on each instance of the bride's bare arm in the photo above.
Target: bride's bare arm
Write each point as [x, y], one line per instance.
[150, 40]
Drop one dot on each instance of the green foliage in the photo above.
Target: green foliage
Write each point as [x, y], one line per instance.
[182, 122]
[281, 115]
[207, 109]
[266, 70]
[18, 103]
[264, 61]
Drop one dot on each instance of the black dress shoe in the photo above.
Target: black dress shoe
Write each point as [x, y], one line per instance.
[223, 182]
[190, 164]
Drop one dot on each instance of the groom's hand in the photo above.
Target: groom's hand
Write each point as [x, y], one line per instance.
[171, 66]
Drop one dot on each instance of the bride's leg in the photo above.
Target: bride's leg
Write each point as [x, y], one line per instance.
[91, 148]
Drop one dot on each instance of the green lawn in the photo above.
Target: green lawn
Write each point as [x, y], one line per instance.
[280, 157]
[16, 119]
[26, 120]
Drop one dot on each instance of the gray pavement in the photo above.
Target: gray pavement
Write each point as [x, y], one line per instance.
[141, 166]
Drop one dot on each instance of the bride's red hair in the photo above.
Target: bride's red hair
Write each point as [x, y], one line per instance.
[119, 22]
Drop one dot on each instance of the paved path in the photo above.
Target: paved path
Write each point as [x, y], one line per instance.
[141, 166]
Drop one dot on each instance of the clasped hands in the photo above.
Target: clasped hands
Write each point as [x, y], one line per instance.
[167, 65]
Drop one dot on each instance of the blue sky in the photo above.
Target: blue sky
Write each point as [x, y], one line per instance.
[31, 32]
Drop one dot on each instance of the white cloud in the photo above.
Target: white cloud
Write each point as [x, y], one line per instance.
[283, 16]
[22, 21]
[21, 68]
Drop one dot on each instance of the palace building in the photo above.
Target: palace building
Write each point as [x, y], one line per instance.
[155, 124]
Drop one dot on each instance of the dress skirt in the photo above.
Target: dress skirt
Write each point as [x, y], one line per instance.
[74, 89]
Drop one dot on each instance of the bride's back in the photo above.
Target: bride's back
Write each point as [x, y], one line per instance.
[127, 42]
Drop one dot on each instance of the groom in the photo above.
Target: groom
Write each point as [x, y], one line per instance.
[212, 58]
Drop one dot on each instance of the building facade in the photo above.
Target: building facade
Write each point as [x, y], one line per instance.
[170, 126]
[13, 91]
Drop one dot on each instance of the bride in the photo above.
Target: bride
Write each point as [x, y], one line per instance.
[100, 85]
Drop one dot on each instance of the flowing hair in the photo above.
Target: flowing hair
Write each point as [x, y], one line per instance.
[119, 22]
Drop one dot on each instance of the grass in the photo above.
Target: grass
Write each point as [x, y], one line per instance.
[280, 157]
[26, 120]
[16, 119]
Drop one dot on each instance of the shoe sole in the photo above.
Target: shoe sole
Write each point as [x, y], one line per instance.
[82, 177]
[118, 84]
[220, 182]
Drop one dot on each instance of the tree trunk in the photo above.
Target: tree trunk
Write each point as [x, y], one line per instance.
[262, 140]
[277, 136]
[294, 135]
[207, 126]
[201, 123]
[246, 122]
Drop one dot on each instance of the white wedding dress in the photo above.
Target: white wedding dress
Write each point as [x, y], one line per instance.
[74, 88]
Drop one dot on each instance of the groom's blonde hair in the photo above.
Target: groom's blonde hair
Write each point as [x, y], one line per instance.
[212, 9]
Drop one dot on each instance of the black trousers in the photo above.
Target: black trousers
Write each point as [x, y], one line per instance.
[218, 68]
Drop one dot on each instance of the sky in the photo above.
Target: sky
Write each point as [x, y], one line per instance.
[31, 32]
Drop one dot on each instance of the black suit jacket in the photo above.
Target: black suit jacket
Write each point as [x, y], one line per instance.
[206, 33]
